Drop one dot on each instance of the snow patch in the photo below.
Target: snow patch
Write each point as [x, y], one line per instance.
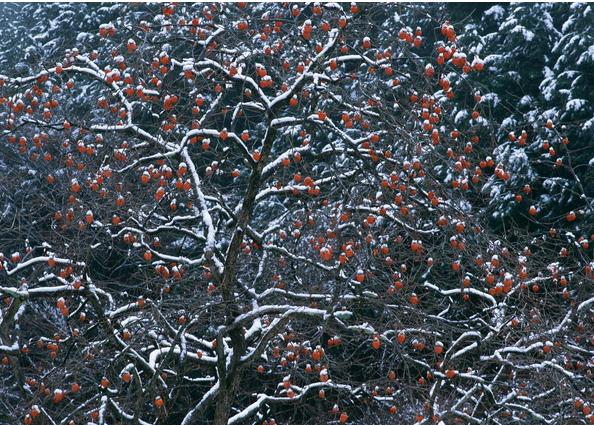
[496, 12]
[575, 105]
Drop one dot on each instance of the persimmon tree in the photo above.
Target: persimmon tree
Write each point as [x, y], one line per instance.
[248, 213]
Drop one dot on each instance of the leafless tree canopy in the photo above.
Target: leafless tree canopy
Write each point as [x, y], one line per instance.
[266, 214]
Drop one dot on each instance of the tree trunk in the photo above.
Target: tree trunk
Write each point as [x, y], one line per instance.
[223, 407]
[224, 401]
